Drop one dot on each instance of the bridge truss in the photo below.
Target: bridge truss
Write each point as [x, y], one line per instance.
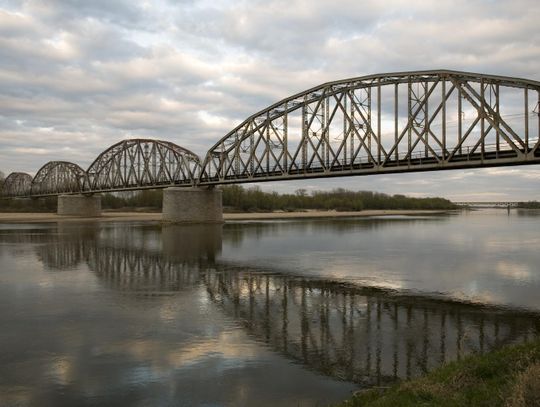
[58, 177]
[402, 122]
[127, 165]
[385, 123]
[141, 163]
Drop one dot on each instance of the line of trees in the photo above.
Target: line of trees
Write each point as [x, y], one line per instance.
[529, 205]
[239, 199]
[150, 199]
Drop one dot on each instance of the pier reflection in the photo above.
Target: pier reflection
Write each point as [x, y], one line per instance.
[359, 334]
[171, 266]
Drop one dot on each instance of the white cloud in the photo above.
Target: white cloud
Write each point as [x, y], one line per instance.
[92, 73]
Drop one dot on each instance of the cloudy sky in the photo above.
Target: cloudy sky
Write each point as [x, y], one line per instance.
[77, 76]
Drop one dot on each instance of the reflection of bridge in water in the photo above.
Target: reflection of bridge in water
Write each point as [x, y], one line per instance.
[360, 334]
[364, 335]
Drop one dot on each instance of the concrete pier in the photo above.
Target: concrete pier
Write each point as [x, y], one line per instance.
[192, 205]
[79, 205]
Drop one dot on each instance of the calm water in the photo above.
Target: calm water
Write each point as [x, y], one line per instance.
[292, 313]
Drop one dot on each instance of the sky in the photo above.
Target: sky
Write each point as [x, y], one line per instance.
[77, 76]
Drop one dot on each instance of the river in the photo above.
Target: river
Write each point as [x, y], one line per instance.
[265, 313]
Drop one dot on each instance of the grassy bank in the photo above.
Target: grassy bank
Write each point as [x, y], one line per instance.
[509, 377]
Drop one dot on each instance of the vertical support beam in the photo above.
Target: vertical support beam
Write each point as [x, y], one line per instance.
[236, 156]
[426, 118]
[345, 132]
[285, 139]
[268, 146]
[460, 120]
[482, 118]
[379, 141]
[409, 121]
[352, 124]
[443, 118]
[396, 119]
[497, 119]
[368, 91]
[251, 149]
[526, 109]
[326, 134]
[305, 135]
[320, 131]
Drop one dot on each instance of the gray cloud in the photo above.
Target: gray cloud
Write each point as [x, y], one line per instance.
[77, 76]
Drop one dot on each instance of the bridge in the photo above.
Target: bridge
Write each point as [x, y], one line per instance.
[376, 124]
[487, 204]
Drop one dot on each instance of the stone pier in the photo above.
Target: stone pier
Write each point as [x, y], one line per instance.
[79, 205]
[192, 205]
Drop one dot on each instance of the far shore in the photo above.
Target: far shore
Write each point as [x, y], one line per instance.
[24, 217]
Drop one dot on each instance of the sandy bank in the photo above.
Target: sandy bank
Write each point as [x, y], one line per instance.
[326, 214]
[147, 216]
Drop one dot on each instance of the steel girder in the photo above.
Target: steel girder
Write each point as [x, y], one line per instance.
[57, 177]
[410, 121]
[140, 163]
[17, 184]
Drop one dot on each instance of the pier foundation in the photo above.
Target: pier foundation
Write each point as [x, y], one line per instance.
[79, 205]
[192, 205]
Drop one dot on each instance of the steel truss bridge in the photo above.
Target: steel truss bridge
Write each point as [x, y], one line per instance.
[384, 123]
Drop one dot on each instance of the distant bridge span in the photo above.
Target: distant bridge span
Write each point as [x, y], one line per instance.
[384, 123]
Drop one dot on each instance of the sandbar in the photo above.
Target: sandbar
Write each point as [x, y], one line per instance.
[18, 217]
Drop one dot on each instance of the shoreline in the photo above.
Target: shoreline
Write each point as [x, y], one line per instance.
[27, 217]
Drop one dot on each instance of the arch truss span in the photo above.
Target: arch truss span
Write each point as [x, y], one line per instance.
[410, 121]
[17, 184]
[142, 163]
[58, 177]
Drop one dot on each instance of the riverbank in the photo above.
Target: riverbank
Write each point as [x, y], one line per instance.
[17, 217]
[508, 377]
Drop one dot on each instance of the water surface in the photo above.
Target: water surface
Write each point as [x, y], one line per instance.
[292, 313]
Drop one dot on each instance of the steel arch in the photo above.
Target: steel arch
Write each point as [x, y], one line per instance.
[57, 177]
[17, 184]
[142, 163]
[362, 126]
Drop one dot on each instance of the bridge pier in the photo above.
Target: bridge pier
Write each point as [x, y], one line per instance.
[192, 205]
[79, 205]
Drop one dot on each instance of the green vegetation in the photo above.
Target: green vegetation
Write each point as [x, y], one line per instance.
[28, 205]
[508, 377]
[147, 199]
[237, 198]
[529, 205]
